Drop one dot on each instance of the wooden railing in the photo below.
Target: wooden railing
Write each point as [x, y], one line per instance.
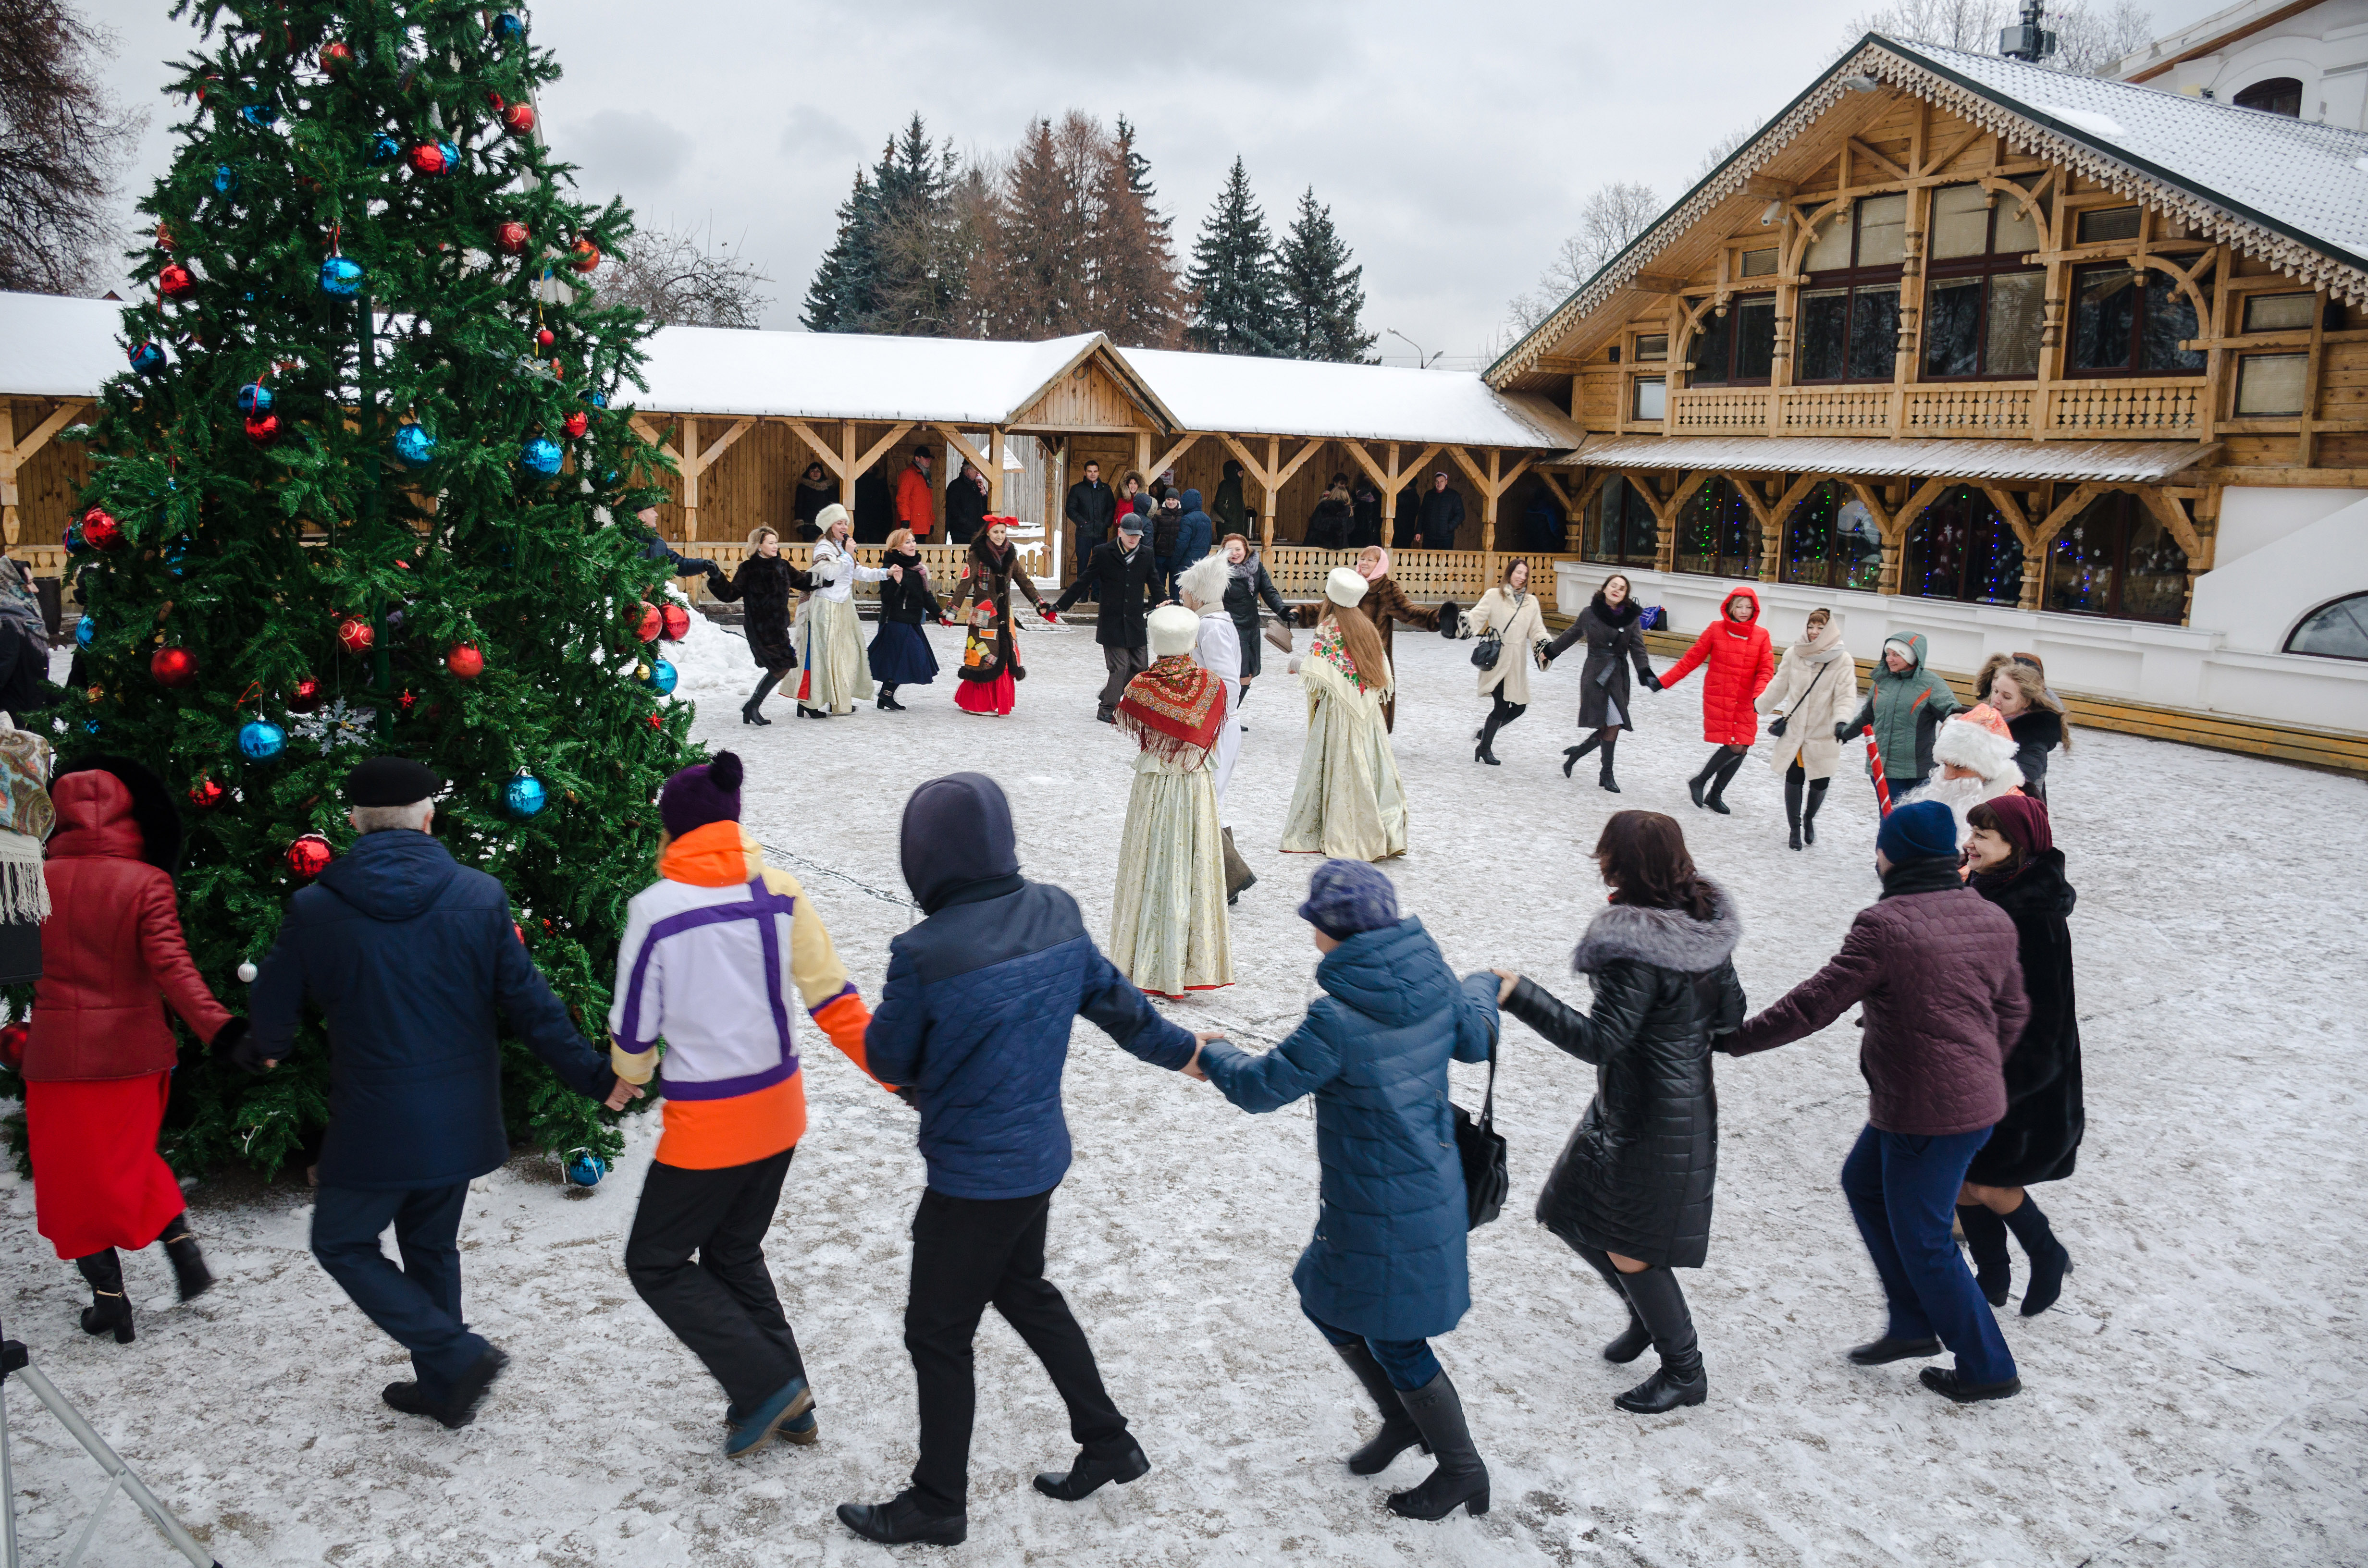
[945, 563]
[1426, 576]
[2008, 410]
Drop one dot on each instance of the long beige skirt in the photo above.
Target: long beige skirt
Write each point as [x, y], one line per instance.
[1349, 803]
[830, 644]
[1170, 932]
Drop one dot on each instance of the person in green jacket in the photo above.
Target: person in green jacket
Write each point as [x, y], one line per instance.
[1906, 703]
[1229, 507]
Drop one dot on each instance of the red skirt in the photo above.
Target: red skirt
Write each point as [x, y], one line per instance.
[97, 1179]
[986, 695]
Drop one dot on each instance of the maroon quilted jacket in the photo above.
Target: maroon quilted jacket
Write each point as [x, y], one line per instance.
[1941, 1002]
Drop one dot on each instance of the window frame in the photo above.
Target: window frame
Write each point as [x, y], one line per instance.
[1983, 516]
[1591, 535]
[1843, 496]
[1755, 542]
[1734, 339]
[1852, 278]
[2245, 362]
[1990, 263]
[1636, 385]
[2303, 620]
[2145, 277]
[2130, 515]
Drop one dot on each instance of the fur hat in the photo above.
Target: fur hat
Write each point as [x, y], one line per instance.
[1205, 580]
[706, 792]
[1342, 586]
[1979, 740]
[830, 516]
[1172, 629]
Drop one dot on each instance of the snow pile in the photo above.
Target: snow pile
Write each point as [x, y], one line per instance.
[709, 661]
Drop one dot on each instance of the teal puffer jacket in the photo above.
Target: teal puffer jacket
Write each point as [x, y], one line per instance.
[1906, 709]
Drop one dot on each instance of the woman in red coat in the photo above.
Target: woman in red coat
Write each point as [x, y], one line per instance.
[1742, 663]
[98, 1061]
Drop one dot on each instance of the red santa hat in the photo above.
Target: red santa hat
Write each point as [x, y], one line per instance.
[1980, 740]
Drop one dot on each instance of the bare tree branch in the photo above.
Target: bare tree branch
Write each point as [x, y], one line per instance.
[683, 280]
[64, 141]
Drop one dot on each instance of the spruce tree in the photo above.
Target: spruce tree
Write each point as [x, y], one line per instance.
[1136, 296]
[1323, 295]
[1238, 297]
[842, 283]
[357, 493]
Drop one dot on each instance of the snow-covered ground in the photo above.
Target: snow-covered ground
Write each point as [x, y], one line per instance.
[2197, 1397]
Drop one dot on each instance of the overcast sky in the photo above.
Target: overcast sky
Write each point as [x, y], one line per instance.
[1454, 143]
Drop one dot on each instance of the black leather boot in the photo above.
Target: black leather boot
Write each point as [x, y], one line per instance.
[1700, 781]
[1604, 781]
[1461, 1480]
[1809, 812]
[1986, 1239]
[2049, 1262]
[1488, 738]
[1570, 755]
[1726, 772]
[190, 1274]
[1091, 1473]
[1681, 1380]
[1631, 1341]
[1398, 1431]
[901, 1519]
[1793, 803]
[110, 1310]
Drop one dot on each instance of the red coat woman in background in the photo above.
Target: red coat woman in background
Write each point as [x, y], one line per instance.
[1742, 662]
[98, 1061]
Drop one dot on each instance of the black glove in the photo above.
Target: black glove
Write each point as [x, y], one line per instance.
[233, 1040]
[1842, 732]
[1449, 618]
[1653, 682]
[1776, 726]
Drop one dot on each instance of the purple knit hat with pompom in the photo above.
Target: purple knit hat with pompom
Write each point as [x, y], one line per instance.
[699, 795]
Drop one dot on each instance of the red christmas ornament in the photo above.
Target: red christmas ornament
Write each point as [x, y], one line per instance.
[175, 280]
[513, 237]
[173, 667]
[544, 337]
[355, 635]
[466, 660]
[406, 697]
[309, 856]
[100, 531]
[205, 794]
[677, 621]
[427, 159]
[656, 723]
[518, 118]
[575, 425]
[494, 99]
[13, 1039]
[306, 697]
[650, 624]
[263, 429]
[583, 256]
[336, 57]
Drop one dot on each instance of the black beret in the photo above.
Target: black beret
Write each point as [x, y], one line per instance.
[390, 781]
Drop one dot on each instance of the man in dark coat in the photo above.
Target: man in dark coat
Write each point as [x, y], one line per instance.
[408, 954]
[1120, 574]
[1443, 514]
[875, 507]
[1090, 508]
[966, 503]
[1933, 969]
[974, 1017]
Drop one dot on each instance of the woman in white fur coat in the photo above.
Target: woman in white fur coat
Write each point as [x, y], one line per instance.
[1975, 754]
[829, 636]
[1815, 689]
[1511, 612]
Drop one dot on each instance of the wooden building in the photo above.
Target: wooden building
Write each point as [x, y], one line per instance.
[2016, 358]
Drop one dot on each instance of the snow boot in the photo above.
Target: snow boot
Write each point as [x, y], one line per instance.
[1460, 1480]
[1726, 772]
[1631, 1341]
[1986, 1239]
[459, 1406]
[1809, 812]
[190, 1274]
[1398, 1431]
[1656, 1298]
[2049, 1262]
[1089, 1474]
[1239, 878]
[900, 1519]
[110, 1310]
[1792, 805]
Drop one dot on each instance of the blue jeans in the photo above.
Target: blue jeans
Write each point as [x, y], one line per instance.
[1903, 1192]
[418, 1305]
[1408, 1363]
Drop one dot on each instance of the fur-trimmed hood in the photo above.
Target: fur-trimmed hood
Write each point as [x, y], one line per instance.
[1666, 939]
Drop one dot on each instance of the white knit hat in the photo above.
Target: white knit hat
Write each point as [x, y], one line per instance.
[1172, 629]
[1342, 586]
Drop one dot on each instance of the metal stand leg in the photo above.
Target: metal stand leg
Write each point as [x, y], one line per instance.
[7, 1483]
[122, 1479]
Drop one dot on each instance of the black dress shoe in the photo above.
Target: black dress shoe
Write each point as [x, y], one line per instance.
[1089, 1475]
[1944, 1381]
[900, 1520]
[409, 1398]
[1877, 1352]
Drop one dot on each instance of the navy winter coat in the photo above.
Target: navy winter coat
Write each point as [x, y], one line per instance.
[1194, 538]
[407, 952]
[1387, 1259]
[980, 997]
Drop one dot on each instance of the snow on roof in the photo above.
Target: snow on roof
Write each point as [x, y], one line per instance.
[2123, 461]
[1246, 395]
[56, 347]
[829, 375]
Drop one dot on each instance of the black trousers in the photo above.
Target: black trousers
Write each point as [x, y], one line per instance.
[419, 1303]
[723, 1306]
[969, 1253]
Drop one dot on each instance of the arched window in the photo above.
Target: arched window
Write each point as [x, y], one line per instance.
[2279, 95]
[1717, 535]
[2116, 559]
[1620, 528]
[2335, 630]
[1959, 548]
[1830, 540]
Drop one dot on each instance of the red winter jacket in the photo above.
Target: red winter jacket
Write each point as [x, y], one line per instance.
[1742, 663]
[111, 950]
[916, 504]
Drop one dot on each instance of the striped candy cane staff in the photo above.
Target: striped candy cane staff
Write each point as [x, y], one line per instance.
[1874, 765]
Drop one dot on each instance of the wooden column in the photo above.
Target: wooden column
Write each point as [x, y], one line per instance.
[1142, 459]
[994, 475]
[1269, 490]
[689, 479]
[846, 465]
[1389, 485]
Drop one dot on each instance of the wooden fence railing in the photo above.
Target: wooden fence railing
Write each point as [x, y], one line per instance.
[1426, 576]
[2156, 408]
[945, 563]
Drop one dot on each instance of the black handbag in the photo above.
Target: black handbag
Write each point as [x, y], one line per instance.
[1482, 1150]
[1488, 650]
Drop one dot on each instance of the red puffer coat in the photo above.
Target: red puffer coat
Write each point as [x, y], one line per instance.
[111, 950]
[1742, 663]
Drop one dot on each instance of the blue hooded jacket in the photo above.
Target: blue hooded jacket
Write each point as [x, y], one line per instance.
[1387, 1259]
[408, 953]
[1193, 539]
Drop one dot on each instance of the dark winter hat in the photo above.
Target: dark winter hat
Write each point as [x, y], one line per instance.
[390, 781]
[707, 792]
[1920, 829]
[1345, 897]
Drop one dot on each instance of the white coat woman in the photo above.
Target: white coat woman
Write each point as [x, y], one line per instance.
[830, 636]
[1349, 803]
[1511, 612]
[1816, 688]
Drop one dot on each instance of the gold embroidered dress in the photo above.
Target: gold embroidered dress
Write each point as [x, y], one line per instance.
[1170, 932]
[1349, 802]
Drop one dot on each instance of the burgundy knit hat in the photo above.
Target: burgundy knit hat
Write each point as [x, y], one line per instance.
[699, 795]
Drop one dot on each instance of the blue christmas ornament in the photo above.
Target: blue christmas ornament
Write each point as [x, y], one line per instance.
[85, 631]
[385, 150]
[595, 399]
[90, 726]
[256, 398]
[225, 180]
[340, 275]
[540, 455]
[259, 115]
[585, 1168]
[147, 359]
[663, 675]
[452, 156]
[525, 797]
[508, 26]
[261, 739]
[413, 446]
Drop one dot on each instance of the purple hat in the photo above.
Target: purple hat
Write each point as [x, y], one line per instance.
[697, 796]
[1345, 897]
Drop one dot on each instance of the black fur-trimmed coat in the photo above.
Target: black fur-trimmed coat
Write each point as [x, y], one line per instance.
[1635, 1177]
[2038, 1139]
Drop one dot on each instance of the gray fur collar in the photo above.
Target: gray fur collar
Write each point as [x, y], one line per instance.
[1666, 939]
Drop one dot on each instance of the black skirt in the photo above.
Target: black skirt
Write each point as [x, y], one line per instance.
[901, 655]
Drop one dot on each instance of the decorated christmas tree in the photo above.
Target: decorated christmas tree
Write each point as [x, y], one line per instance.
[357, 491]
